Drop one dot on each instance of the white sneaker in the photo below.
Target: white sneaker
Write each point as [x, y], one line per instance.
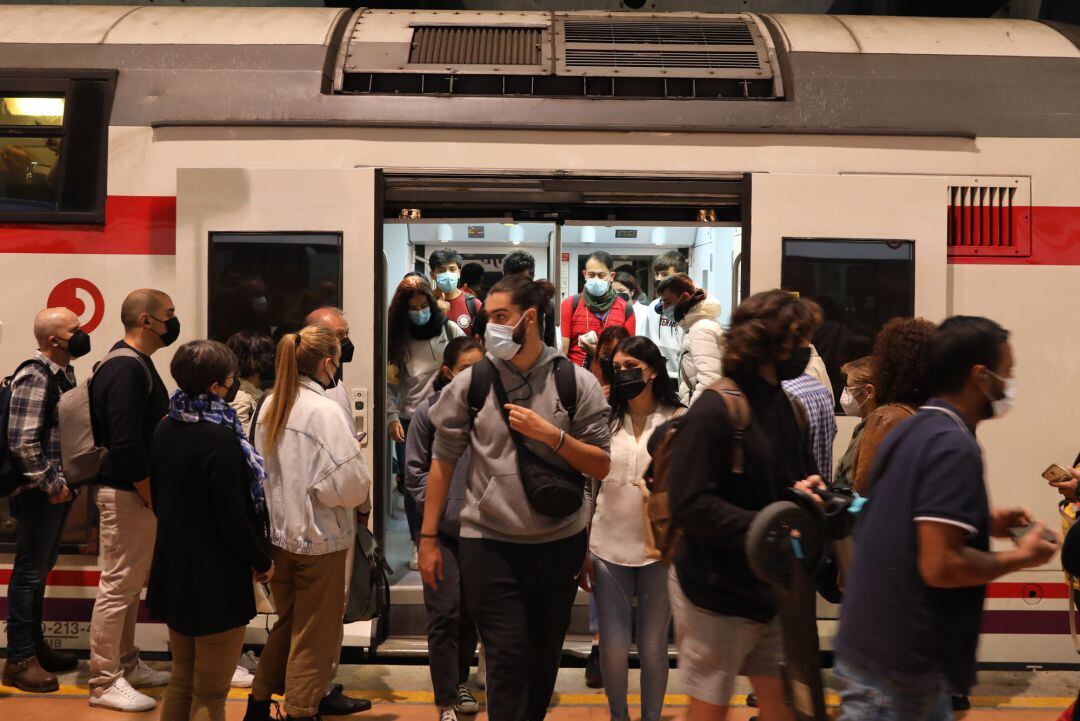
[122, 697]
[249, 661]
[414, 560]
[142, 676]
[242, 678]
[447, 714]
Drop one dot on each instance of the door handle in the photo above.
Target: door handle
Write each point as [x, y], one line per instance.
[358, 400]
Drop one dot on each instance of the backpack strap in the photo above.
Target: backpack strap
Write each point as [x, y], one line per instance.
[566, 385]
[738, 410]
[483, 374]
[126, 353]
[52, 387]
[802, 420]
[574, 303]
[472, 307]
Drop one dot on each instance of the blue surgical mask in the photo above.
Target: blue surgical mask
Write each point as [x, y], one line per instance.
[447, 281]
[597, 287]
[420, 317]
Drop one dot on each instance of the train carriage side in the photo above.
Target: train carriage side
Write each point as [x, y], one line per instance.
[944, 150]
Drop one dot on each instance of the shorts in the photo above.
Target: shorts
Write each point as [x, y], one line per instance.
[714, 648]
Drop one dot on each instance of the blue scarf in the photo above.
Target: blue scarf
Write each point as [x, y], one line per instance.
[210, 408]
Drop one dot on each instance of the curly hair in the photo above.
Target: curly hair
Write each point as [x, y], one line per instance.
[763, 328]
[900, 361]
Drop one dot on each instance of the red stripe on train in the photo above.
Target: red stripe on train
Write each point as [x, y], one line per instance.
[134, 225]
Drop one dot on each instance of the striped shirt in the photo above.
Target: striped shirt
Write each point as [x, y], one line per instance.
[33, 427]
[818, 402]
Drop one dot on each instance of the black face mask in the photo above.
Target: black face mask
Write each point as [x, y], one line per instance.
[172, 330]
[794, 366]
[624, 296]
[78, 344]
[347, 350]
[230, 395]
[629, 383]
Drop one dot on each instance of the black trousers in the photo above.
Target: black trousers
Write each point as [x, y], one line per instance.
[520, 596]
[451, 631]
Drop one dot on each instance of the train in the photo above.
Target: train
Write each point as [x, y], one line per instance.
[256, 162]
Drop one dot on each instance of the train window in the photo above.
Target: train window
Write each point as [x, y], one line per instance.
[53, 146]
[268, 282]
[859, 284]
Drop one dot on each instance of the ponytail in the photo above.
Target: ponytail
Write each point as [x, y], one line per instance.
[297, 354]
[526, 293]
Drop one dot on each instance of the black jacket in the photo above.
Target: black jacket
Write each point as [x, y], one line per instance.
[125, 412]
[714, 507]
[207, 542]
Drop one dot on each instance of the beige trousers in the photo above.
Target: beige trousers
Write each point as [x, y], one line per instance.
[299, 657]
[128, 529]
[202, 670]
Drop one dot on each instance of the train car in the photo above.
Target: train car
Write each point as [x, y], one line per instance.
[257, 162]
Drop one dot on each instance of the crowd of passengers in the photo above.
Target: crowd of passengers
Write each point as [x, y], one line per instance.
[521, 459]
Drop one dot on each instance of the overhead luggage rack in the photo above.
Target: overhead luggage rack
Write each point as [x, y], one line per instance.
[613, 55]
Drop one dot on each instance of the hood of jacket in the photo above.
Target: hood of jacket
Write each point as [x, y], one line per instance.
[708, 309]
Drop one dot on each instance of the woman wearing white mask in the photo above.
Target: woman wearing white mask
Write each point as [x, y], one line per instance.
[525, 414]
[585, 316]
[417, 335]
[858, 399]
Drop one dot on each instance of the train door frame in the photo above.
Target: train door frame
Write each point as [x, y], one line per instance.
[343, 201]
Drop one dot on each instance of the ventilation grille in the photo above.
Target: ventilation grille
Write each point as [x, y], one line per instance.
[660, 47]
[610, 58]
[469, 45]
[658, 33]
[989, 220]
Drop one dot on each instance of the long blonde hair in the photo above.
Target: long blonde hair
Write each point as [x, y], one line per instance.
[298, 354]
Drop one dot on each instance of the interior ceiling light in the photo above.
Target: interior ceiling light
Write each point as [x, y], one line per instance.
[409, 214]
[659, 236]
[706, 215]
[446, 233]
[516, 234]
[36, 107]
[588, 234]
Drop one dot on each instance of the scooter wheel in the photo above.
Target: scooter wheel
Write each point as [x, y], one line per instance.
[777, 531]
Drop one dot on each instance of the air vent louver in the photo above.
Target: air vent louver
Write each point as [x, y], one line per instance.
[989, 219]
[658, 33]
[470, 45]
[579, 58]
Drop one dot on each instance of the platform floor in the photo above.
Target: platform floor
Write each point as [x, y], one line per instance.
[402, 693]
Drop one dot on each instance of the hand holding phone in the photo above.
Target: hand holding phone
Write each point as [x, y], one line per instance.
[1057, 473]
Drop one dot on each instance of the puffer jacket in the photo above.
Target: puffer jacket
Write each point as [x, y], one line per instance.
[316, 475]
[701, 363]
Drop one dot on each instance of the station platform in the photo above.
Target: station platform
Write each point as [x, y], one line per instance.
[402, 693]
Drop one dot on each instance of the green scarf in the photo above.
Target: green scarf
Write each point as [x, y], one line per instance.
[602, 304]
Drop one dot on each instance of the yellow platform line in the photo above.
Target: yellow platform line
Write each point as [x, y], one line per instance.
[568, 699]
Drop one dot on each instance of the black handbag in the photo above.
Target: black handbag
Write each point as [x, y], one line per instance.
[552, 491]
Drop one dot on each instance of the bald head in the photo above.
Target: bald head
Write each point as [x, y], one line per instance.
[329, 318]
[54, 323]
[145, 300]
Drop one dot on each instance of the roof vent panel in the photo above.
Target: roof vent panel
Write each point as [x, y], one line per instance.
[476, 45]
[658, 33]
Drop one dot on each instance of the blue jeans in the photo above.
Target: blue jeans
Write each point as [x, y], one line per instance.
[615, 591]
[38, 525]
[869, 697]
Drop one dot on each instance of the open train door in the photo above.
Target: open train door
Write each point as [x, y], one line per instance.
[867, 248]
[257, 249]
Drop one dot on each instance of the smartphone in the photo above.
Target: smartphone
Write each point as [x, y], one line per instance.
[1021, 531]
[1057, 473]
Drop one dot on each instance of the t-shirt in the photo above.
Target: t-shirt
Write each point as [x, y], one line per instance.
[930, 469]
[459, 312]
[665, 333]
[576, 323]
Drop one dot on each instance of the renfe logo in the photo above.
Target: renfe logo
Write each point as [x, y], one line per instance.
[73, 294]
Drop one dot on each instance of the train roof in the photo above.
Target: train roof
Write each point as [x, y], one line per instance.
[561, 70]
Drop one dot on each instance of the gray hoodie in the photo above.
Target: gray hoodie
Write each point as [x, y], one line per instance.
[418, 462]
[495, 505]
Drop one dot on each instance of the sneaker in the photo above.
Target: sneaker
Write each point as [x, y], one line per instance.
[242, 678]
[447, 714]
[594, 678]
[466, 702]
[122, 697]
[28, 675]
[414, 560]
[249, 661]
[142, 676]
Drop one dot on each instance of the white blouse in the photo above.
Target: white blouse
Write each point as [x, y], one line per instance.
[618, 525]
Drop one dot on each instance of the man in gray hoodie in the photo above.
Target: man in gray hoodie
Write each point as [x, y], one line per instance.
[518, 567]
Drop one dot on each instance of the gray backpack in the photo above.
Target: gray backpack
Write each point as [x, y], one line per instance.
[81, 457]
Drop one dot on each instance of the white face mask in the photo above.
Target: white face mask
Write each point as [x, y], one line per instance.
[1001, 406]
[500, 341]
[851, 406]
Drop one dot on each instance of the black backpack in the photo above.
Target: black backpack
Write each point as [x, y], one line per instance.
[551, 490]
[10, 475]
